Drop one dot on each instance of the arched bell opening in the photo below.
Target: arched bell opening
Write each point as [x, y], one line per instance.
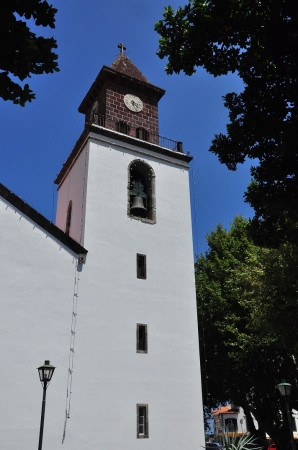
[141, 191]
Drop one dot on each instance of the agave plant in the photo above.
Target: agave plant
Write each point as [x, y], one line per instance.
[245, 442]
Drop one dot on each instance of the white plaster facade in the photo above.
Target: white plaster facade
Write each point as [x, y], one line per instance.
[42, 279]
[74, 187]
[168, 377]
[37, 283]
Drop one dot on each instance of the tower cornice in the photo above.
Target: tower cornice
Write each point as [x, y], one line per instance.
[122, 138]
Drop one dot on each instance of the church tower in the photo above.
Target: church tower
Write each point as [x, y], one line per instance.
[123, 194]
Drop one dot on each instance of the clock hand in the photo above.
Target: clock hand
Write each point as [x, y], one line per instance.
[134, 104]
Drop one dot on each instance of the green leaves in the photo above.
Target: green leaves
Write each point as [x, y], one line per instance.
[247, 300]
[22, 52]
[244, 443]
[259, 40]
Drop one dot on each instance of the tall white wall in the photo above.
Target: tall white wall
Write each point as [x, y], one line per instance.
[37, 282]
[74, 188]
[110, 377]
[38, 276]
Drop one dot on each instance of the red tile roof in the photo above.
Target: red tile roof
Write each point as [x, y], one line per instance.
[224, 410]
[124, 65]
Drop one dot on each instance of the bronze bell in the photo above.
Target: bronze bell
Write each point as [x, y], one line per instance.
[138, 206]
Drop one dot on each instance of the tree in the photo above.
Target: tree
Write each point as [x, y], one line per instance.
[279, 305]
[22, 52]
[242, 356]
[258, 40]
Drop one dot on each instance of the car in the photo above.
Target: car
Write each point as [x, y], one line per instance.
[213, 446]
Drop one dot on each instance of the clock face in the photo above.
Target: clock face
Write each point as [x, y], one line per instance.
[133, 103]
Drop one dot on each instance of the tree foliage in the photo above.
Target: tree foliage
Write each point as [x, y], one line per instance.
[22, 52]
[242, 297]
[258, 39]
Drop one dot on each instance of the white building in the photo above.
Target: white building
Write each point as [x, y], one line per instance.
[120, 323]
[231, 419]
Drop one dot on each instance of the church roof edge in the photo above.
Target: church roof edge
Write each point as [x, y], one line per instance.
[41, 221]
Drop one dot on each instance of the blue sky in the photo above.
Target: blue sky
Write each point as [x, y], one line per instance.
[36, 139]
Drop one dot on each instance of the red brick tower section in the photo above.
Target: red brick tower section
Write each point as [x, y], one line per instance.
[104, 103]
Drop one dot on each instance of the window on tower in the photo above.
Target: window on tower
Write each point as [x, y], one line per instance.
[122, 127]
[142, 421]
[143, 134]
[141, 266]
[68, 217]
[142, 346]
[94, 113]
[141, 191]
[95, 117]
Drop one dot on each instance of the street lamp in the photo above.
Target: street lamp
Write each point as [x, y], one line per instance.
[285, 390]
[45, 373]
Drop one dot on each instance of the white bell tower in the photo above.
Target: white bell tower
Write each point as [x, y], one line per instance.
[123, 193]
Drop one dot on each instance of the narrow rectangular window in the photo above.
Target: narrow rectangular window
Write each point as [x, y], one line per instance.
[141, 266]
[142, 421]
[142, 341]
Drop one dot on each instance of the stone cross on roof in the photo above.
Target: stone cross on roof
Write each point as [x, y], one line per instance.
[122, 48]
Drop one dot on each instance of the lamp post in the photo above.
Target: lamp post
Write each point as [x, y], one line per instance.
[45, 373]
[285, 390]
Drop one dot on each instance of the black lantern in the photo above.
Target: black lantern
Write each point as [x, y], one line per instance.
[45, 373]
[284, 388]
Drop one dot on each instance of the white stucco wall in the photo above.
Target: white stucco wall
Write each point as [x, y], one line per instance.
[74, 188]
[110, 377]
[37, 281]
